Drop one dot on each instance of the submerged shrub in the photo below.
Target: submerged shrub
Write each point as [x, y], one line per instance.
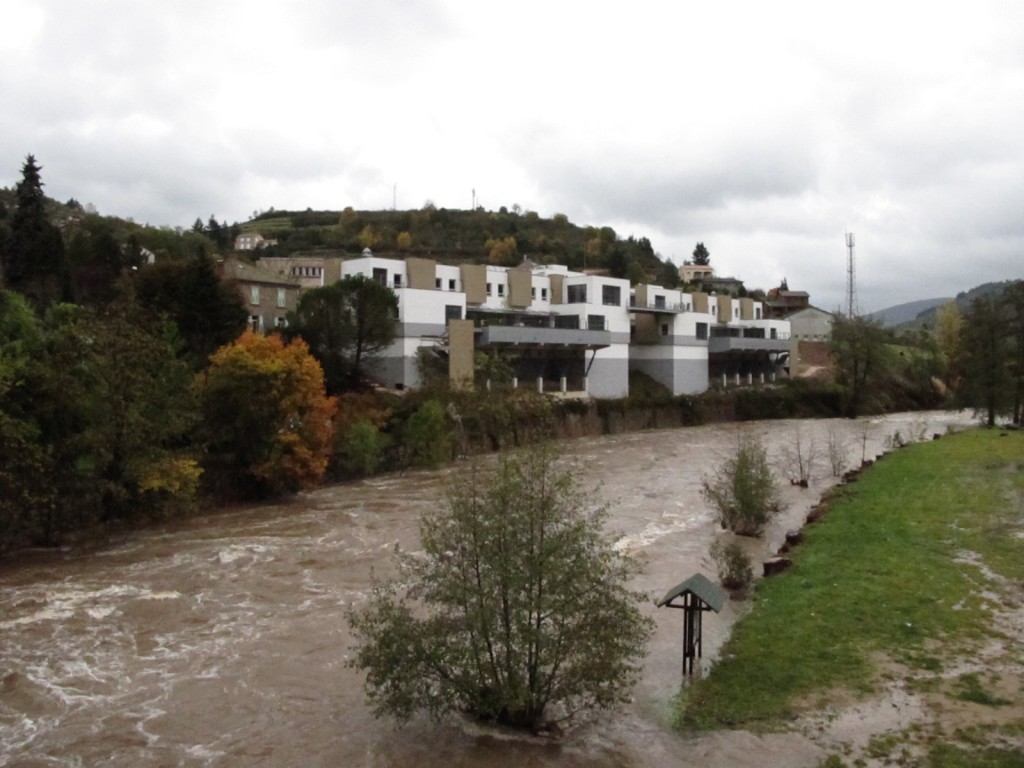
[743, 490]
[735, 570]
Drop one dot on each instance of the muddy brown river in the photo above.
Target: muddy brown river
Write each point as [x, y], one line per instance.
[221, 640]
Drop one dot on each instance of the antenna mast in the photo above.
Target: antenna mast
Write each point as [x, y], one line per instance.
[851, 278]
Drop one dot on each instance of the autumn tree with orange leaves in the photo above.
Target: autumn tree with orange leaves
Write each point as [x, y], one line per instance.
[267, 421]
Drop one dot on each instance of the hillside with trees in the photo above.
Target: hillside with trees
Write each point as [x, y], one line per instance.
[503, 237]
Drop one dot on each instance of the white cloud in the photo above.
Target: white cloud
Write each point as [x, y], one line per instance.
[764, 130]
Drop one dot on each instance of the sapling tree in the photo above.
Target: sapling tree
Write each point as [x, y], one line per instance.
[837, 453]
[801, 458]
[517, 603]
[743, 490]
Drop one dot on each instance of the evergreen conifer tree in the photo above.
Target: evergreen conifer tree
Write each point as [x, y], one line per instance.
[34, 263]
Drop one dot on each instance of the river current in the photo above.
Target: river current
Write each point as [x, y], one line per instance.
[221, 640]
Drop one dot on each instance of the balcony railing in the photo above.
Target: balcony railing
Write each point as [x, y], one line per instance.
[660, 306]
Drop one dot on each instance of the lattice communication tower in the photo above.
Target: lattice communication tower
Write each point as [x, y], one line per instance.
[851, 278]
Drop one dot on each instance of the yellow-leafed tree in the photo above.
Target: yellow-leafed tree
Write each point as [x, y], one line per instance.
[267, 420]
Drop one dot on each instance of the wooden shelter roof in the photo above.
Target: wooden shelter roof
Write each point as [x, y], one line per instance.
[700, 586]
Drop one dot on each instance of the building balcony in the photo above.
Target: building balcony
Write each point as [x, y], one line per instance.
[657, 307]
[530, 336]
[723, 344]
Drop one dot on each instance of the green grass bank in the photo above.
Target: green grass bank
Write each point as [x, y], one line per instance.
[912, 567]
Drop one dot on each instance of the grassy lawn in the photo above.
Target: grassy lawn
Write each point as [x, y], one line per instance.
[908, 563]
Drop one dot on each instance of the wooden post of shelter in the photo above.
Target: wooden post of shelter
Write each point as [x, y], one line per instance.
[694, 596]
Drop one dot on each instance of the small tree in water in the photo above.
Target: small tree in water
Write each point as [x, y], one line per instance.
[743, 490]
[518, 603]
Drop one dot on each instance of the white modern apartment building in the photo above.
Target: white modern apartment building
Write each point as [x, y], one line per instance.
[561, 330]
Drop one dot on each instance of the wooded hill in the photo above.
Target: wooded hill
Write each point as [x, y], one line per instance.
[500, 237]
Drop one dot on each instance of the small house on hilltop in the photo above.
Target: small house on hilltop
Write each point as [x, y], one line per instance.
[252, 241]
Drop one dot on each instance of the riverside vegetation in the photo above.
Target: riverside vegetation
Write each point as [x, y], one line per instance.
[912, 577]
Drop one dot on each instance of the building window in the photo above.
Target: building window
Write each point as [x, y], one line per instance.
[437, 283]
[576, 294]
[659, 302]
[256, 323]
[380, 275]
[254, 294]
[280, 322]
[490, 289]
[757, 313]
[452, 312]
[702, 331]
[501, 289]
[775, 333]
[398, 281]
[543, 294]
[533, 294]
[281, 297]
[664, 329]
[611, 295]
[595, 322]
[567, 321]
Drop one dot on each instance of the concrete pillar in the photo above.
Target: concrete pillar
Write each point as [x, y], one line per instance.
[750, 379]
[725, 381]
[540, 385]
[762, 377]
[487, 385]
[586, 383]
[563, 385]
[515, 382]
[737, 379]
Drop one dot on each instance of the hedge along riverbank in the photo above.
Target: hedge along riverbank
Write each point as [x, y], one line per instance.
[914, 563]
[477, 422]
[502, 419]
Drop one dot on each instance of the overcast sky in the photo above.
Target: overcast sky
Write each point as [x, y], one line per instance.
[764, 130]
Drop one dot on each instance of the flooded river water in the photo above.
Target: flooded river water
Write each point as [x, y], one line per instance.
[222, 641]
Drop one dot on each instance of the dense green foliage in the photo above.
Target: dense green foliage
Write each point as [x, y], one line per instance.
[894, 567]
[33, 261]
[345, 325]
[99, 425]
[426, 438]
[95, 412]
[984, 358]
[879, 370]
[858, 348]
[518, 603]
[990, 359]
[207, 312]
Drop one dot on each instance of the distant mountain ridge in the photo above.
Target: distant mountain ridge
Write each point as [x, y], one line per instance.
[905, 313]
[914, 314]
